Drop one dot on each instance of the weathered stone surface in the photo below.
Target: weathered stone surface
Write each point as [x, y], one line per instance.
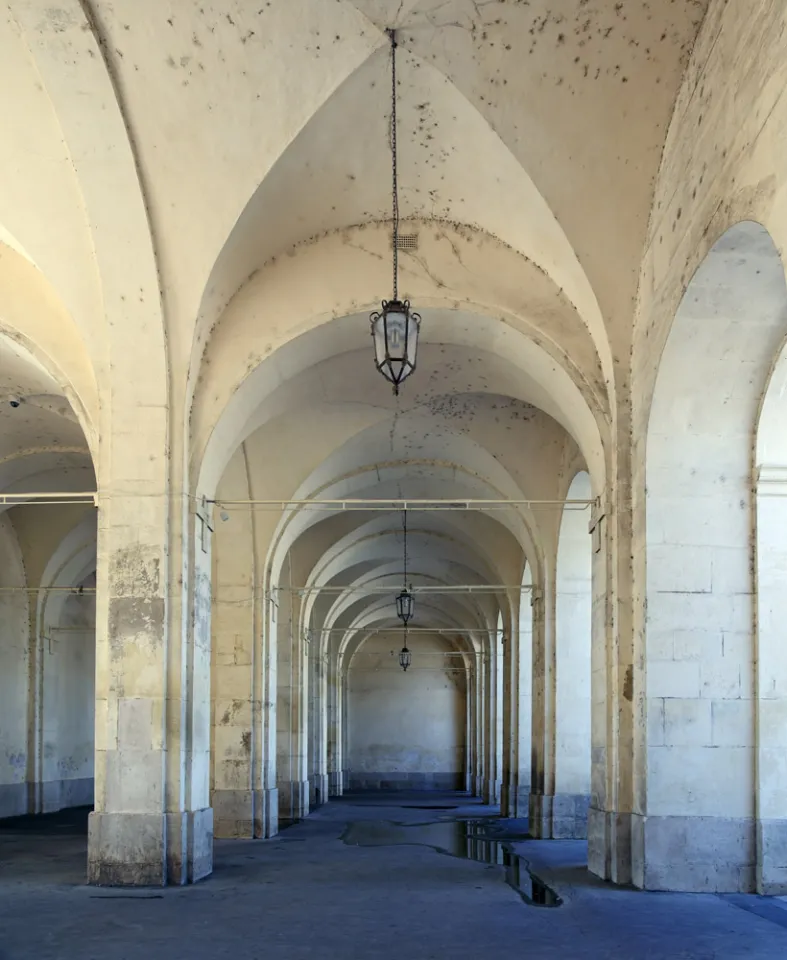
[703, 854]
[126, 849]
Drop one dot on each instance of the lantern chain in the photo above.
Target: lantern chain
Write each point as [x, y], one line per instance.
[404, 530]
[394, 158]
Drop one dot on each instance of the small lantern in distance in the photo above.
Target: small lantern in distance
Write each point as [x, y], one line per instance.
[405, 606]
[405, 657]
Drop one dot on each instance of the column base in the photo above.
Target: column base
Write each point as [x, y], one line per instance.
[126, 850]
[491, 791]
[688, 854]
[270, 812]
[335, 785]
[563, 816]
[772, 858]
[615, 846]
[241, 814]
[478, 786]
[149, 850]
[293, 800]
[515, 801]
[189, 846]
[318, 790]
[697, 854]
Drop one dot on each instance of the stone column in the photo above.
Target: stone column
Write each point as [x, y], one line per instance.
[573, 615]
[127, 841]
[771, 682]
[291, 752]
[136, 836]
[510, 759]
[234, 629]
[316, 725]
[480, 722]
[469, 730]
[542, 786]
[334, 727]
[190, 819]
[494, 721]
[266, 681]
[344, 730]
[518, 697]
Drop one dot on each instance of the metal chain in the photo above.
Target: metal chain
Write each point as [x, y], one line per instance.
[392, 35]
[404, 528]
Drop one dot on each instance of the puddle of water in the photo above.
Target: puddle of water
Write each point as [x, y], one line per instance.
[467, 839]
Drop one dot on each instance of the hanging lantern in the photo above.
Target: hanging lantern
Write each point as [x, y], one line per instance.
[405, 657]
[405, 601]
[394, 328]
[405, 606]
[395, 333]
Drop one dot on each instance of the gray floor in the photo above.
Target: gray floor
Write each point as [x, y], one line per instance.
[307, 894]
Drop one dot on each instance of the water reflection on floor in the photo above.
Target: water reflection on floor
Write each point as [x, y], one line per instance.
[484, 841]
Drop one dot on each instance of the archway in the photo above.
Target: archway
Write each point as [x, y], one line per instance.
[309, 578]
[700, 828]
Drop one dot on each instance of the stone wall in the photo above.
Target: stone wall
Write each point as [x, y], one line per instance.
[406, 730]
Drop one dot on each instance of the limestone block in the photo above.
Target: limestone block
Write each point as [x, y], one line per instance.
[672, 678]
[695, 643]
[772, 857]
[700, 781]
[733, 723]
[701, 854]
[126, 849]
[772, 798]
[680, 569]
[137, 729]
[773, 722]
[189, 846]
[687, 722]
[726, 678]
[233, 682]
[133, 780]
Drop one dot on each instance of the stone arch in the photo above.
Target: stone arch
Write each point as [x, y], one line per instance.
[700, 625]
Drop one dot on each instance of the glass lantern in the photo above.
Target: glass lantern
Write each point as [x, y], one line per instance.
[405, 606]
[395, 333]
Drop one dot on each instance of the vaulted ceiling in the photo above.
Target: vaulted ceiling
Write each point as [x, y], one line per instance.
[236, 156]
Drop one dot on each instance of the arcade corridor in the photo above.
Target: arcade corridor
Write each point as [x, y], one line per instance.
[393, 466]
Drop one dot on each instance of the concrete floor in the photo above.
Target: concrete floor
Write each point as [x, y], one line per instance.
[306, 894]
